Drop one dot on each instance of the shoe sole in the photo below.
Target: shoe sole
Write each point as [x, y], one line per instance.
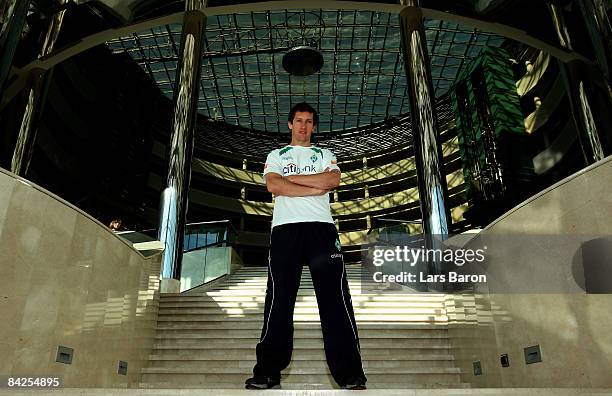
[261, 387]
[357, 387]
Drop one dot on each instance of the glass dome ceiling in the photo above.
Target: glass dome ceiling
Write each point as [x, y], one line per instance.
[362, 81]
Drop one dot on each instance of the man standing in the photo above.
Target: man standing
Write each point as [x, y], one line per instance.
[303, 231]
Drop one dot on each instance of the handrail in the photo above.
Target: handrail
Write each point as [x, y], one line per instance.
[151, 230]
[225, 241]
[73, 207]
[214, 222]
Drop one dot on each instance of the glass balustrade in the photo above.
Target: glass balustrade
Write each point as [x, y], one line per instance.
[208, 251]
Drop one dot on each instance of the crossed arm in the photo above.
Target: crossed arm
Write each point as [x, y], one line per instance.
[303, 185]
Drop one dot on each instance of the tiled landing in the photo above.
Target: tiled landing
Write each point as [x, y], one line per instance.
[280, 392]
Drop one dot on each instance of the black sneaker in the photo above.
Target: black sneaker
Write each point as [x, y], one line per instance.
[261, 382]
[355, 384]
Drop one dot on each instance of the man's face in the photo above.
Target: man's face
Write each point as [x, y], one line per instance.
[301, 128]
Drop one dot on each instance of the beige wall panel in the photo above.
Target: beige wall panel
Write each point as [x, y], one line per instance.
[68, 280]
[572, 329]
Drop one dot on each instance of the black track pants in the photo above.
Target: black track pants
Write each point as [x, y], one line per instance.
[315, 244]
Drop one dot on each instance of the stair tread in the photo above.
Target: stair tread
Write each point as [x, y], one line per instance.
[260, 298]
[248, 370]
[298, 310]
[251, 346]
[261, 290]
[315, 336]
[298, 304]
[256, 336]
[304, 386]
[179, 357]
[313, 325]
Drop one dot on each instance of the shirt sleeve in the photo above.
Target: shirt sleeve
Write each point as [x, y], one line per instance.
[273, 164]
[329, 160]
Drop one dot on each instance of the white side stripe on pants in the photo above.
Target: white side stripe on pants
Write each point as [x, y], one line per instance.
[348, 315]
[272, 303]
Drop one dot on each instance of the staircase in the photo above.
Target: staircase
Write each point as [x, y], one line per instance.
[207, 339]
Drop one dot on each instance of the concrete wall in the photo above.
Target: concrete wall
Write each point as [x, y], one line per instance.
[573, 328]
[68, 280]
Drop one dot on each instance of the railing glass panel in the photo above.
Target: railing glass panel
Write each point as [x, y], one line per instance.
[207, 252]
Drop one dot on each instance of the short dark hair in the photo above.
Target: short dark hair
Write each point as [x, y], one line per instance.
[304, 107]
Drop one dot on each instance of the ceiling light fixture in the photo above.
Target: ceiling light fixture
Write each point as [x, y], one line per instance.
[303, 61]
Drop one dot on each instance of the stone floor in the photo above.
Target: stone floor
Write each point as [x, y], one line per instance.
[280, 392]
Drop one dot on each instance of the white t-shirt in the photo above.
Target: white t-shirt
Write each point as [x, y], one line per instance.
[299, 160]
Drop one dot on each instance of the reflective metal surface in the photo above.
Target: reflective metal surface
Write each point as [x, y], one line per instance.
[560, 26]
[592, 131]
[589, 122]
[600, 32]
[174, 197]
[31, 114]
[432, 185]
[39, 84]
[53, 31]
[12, 18]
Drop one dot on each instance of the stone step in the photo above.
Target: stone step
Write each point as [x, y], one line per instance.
[264, 268]
[305, 270]
[368, 354]
[248, 292]
[298, 304]
[263, 271]
[249, 286]
[303, 355]
[299, 353]
[190, 364]
[305, 325]
[303, 318]
[302, 291]
[290, 371]
[304, 343]
[386, 376]
[263, 281]
[262, 278]
[300, 311]
[260, 297]
[299, 333]
[167, 325]
[297, 389]
[307, 389]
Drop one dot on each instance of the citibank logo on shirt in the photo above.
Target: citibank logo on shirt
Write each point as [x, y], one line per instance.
[293, 169]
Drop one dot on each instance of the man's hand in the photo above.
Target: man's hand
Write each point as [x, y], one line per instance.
[326, 180]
